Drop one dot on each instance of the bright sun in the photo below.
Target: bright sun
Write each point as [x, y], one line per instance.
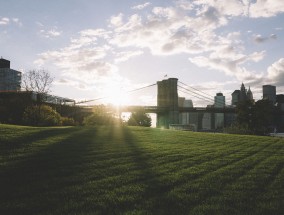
[116, 95]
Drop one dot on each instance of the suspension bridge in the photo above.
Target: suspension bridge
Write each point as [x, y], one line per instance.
[169, 111]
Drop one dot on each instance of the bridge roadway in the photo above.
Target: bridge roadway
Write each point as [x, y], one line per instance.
[155, 109]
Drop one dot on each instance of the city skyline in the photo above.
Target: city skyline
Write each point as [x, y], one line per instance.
[102, 48]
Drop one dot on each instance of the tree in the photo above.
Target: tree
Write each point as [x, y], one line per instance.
[140, 118]
[244, 113]
[263, 117]
[258, 118]
[37, 80]
[100, 116]
[45, 117]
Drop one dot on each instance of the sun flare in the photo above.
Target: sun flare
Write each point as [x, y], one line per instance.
[116, 95]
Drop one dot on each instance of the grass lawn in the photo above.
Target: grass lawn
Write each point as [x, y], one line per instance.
[129, 170]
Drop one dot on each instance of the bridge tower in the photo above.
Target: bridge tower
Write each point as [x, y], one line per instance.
[167, 103]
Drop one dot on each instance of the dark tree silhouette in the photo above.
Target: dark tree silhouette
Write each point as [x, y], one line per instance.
[140, 118]
[38, 81]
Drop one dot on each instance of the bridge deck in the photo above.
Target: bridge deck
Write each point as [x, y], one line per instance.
[155, 109]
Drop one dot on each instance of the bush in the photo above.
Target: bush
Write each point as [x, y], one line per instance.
[42, 115]
[98, 119]
[101, 116]
[67, 121]
[238, 129]
[140, 118]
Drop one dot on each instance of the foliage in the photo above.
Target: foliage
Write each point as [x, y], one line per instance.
[12, 106]
[263, 117]
[140, 118]
[100, 116]
[42, 115]
[238, 129]
[244, 113]
[255, 118]
[133, 170]
[66, 121]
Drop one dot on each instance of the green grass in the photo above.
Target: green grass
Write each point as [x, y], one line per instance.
[120, 170]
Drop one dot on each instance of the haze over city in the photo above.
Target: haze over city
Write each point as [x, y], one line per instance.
[104, 48]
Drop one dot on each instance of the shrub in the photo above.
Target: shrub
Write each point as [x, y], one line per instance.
[140, 118]
[67, 121]
[42, 115]
[98, 119]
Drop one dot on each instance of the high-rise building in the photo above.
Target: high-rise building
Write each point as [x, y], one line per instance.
[184, 116]
[241, 95]
[219, 100]
[10, 80]
[269, 93]
[235, 97]
[249, 95]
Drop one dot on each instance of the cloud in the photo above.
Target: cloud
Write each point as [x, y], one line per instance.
[254, 9]
[228, 57]
[225, 7]
[83, 63]
[230, 65]
[169, 30]
[117, 20]
[7, 21]
[17, 21]
[83, 59]
[80, 85]
[185, 27]
[4, 21]
[184, 4]
[276, 73]
[266, 8]
[260, 39]
[126, 55]
[52, 33]
[141, 6]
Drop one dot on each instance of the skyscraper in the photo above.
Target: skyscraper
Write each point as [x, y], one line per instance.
[249, 95]
[10, 80]
[235, 97]
[242, 95]
[219, 100]
[269, 93]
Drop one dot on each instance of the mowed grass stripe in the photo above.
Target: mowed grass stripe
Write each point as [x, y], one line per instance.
[118, 170]
[213, 171]
[246, 189]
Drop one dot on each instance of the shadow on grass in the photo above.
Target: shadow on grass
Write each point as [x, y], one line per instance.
[11, 144]
[155, 198]
[104, 170]
[37, 183]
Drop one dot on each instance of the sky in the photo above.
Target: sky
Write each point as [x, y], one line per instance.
[104, 48]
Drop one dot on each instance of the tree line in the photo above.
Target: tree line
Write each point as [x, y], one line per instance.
[259, 118]
[20, 108]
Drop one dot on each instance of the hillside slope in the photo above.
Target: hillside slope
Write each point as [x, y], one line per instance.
[130, 170]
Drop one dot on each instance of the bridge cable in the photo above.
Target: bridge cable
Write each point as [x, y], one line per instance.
[198, 96]
[100, 98]
[206, 94]
[192, 95]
